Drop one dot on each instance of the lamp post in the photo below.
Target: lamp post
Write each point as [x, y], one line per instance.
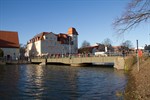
[69, 48]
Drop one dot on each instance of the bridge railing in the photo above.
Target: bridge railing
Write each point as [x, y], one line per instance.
[79, 55]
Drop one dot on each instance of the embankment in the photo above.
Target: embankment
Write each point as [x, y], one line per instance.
[138, 86]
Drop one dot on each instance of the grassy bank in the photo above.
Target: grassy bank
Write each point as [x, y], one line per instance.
[138, 86]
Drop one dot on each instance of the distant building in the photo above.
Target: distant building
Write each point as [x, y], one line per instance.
[48, 43]
[92, 49]
[117, 49]
[88, 49]
[141, 48]
[9, 43]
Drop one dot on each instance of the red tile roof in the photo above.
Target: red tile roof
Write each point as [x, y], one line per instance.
[9, 39]
[63, 38]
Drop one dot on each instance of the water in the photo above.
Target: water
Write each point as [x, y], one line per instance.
[56, 82]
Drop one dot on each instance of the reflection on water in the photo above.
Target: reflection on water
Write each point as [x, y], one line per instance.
[60, 82]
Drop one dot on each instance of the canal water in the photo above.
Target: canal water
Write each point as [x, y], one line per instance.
[56, 82]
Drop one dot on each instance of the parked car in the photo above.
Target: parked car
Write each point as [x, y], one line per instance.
[100, 54]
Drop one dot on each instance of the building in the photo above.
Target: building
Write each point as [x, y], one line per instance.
[88, 49]
[48, 43]
[117, 49]
[96, 48]
[9, 43]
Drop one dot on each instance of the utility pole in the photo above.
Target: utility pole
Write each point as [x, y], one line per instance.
[138, 63]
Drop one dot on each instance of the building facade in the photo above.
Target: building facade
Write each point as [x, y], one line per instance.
[48, 43]
[9, 43]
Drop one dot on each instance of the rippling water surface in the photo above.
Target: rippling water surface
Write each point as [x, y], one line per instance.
[56, 82]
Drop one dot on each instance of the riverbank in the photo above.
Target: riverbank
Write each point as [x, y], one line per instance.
[138, 86]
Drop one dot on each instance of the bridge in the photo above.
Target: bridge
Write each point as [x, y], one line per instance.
[117, 61]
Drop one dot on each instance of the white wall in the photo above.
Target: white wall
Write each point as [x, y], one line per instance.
[13, 52]
[37, 47]
[34, 49]
[28, 49]
[50, 45]
[74, 47]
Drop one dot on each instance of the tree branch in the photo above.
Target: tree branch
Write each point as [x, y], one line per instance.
[133, 16]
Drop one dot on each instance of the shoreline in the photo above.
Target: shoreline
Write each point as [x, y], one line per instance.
[14, 62]
[138, 85]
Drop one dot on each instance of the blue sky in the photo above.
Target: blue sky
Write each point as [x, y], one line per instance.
[91, 18]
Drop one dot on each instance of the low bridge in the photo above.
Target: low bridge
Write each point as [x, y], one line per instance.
[80, 61]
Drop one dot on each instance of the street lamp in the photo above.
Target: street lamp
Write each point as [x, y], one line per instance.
[69, 48]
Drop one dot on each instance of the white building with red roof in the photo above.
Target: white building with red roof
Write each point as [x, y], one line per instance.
[9, 43]
[48, 43]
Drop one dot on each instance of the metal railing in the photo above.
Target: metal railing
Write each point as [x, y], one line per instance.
[79, 55]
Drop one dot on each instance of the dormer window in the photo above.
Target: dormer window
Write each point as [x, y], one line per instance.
[45, 37]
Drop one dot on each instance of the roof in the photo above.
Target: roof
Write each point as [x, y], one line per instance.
[9, 39]
[72, 31]
[87, 49]
[116, 47]
[41, 34]
[38, 37]
[63, 38]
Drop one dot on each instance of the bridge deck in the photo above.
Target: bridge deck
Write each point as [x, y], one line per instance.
[118, 61]
[110, 59]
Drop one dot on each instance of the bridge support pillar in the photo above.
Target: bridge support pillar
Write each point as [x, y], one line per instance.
[119, 63]
[44, 62]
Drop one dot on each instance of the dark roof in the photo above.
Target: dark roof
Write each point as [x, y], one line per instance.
[9, 39]
[40, 35]
[63, 38]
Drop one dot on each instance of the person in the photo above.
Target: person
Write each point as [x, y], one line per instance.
[123, 53]
[140, 54]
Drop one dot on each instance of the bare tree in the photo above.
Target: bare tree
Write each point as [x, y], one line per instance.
[127, 44]
[85, 44]
[107, 42]
[137, 11]
[22, 50]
